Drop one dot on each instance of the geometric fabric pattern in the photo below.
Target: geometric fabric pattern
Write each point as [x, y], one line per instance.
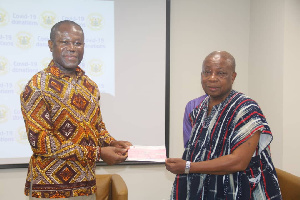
[79, 102]
[64, 128]
[65, 174]
[67, 129]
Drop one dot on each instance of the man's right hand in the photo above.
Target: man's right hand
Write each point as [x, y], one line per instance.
[113, 155]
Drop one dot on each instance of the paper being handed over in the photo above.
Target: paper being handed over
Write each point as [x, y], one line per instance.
[147, 153]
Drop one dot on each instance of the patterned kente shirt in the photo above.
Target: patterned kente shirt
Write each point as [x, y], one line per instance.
[229, 125]
[64, 127]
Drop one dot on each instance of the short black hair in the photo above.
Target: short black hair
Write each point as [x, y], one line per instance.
[57, 25]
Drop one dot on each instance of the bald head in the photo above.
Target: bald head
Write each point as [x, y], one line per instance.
[56, 26]
[221, 56]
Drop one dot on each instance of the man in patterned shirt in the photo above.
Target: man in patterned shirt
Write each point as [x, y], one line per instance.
[61, 111]
[228, 153]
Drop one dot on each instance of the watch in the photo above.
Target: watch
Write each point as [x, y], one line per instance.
[187, 167]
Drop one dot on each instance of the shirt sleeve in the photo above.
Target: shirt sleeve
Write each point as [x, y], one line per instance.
[187, 125]
[250, 119]
[104, 137]
[40, 130]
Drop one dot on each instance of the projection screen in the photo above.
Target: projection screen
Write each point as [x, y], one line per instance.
[125, 54]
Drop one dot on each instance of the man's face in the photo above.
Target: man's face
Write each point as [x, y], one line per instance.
[68, 47]
[217, 77]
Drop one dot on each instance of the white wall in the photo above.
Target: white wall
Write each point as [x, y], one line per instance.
[263, 36]
[273, 74]
[291, 94]
[266, 67]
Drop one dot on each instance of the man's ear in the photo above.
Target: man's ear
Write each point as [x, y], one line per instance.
[50, 45]
[233, 76]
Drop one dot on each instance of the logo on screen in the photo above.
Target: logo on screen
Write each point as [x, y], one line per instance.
[3, 65]
[3, 17]
[45, 62]
[22, 135]
[47, 19]
[24, 40]
[3, 113]
[95, 21]
[96, 67]
[20, 85]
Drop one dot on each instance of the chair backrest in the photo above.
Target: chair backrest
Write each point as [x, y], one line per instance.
[289, 185]
[111, 187]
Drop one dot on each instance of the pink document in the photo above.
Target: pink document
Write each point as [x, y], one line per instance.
[147, 153]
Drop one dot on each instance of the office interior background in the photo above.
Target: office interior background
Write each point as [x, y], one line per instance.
[263, 36]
